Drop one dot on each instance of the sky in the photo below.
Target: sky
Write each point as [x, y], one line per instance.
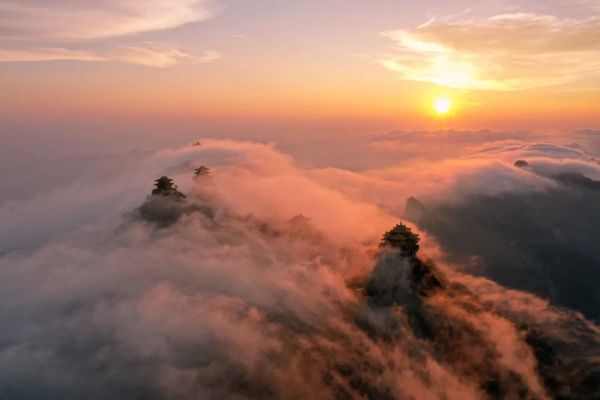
[234, 65]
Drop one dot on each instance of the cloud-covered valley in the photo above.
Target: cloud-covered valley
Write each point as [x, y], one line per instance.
[268, 279]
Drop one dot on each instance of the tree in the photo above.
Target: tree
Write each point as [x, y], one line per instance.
[201, 171]
[521, 164]
[403, 238]
[164, 187]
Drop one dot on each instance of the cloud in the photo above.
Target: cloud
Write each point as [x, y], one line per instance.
[254, 178]
[247, 306]
[527, 227]
[477, 162]
[46, 54]
[583, 5]
[162, 56]
[37, 31]
[504, 52]
[253, 300]
[72, 21]
[156, 55]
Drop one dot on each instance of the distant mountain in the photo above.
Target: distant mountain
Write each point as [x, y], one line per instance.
[545, 242]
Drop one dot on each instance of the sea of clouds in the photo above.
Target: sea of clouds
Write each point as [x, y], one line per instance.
[263, 296]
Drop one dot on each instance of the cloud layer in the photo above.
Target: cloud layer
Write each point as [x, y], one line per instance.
[72, 21]
[504, 52]
[264, 296]
[39, 31]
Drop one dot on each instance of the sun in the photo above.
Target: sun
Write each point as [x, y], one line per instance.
[442, 105]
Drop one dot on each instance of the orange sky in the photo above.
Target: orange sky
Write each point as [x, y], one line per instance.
[509, 65]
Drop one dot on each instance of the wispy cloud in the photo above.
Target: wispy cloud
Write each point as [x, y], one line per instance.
[158, 55]
[161, 56]
[99, 19]
[504, 52]
[46, 54]
[34, 30]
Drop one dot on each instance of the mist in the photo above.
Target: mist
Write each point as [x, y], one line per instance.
[268, 277]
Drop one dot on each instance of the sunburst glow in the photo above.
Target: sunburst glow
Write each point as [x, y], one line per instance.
[442, 105]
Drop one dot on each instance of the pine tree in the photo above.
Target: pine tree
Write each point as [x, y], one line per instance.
[201, 171]
[164, 187]
[403, 238]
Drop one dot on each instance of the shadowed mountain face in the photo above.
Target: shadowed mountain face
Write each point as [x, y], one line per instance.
[545, 242]
[476, 338]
